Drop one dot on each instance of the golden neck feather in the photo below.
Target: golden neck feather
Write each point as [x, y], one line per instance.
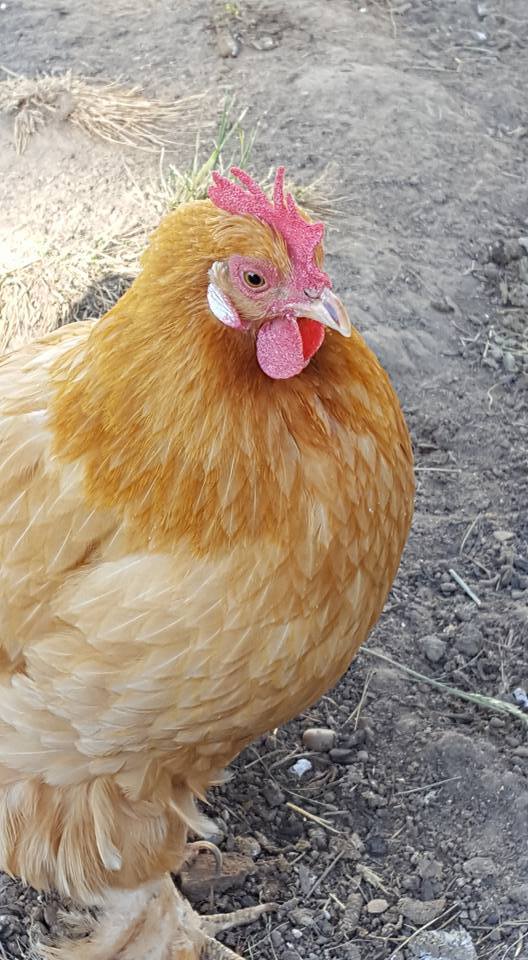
[179, 429]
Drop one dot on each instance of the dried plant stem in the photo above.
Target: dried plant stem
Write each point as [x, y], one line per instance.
[487, 703]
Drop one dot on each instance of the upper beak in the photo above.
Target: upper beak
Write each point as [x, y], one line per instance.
[326, 309]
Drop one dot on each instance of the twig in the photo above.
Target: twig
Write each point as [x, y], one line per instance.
[392, 19]
[312, 816]
[468, 533]
[356, 712]
[369, 876]
[312, 799]
[425, 926]
[462, 583]
[501, 926]
[258, 759]
[426, 786]
[337, 900]
[325, 873]
[437, 470]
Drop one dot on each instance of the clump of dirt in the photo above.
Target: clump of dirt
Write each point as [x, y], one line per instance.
[411, 825]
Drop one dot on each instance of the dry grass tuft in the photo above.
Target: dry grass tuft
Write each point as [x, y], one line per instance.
[67, 283]
[105, 110]
[479, 699]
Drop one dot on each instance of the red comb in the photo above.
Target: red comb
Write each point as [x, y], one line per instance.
[282, 215]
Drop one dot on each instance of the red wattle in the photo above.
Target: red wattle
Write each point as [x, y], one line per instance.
[285, 346]
[312, 334]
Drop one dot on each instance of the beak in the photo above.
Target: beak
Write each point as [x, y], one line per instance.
[326, 309]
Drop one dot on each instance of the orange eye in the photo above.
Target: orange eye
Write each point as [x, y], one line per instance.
[254, 280]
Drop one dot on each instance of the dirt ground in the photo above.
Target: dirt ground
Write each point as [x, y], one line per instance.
[421, 108]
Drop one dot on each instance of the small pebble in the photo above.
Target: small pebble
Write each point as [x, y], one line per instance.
[421, 911]
[503, 535]
[521, 697]
[301, 916]
[519, 894]
[227, 44]
[434, 648]
[442, 944]
[340, 755]
[350, 951]
[491, 271]
[300, 767]
[320, 739]
[377, 846]
[443, 305]
[504, 251]
[480, 867]
[465, 614]
[428, 868]
[447, 588]
[509, 363]
[274, 797]
[468, 640]
[264, 43]
[428, 890]
[319, 839]
[377, 906]
[249, 846]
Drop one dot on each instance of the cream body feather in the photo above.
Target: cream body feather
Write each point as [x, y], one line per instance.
[143, 641]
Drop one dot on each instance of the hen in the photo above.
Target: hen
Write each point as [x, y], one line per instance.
[204, 497]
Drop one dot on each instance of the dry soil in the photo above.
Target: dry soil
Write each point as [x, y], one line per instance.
[421, 107]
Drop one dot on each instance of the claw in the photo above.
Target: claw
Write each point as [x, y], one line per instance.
[207, 845]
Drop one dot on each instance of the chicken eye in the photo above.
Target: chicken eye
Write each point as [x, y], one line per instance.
[254, 280]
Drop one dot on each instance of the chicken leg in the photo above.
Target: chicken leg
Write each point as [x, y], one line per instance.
[153, 922]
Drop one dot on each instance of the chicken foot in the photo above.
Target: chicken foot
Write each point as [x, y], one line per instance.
[153, 922]
[214, 923]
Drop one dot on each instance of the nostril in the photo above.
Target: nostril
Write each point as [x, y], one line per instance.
[312, 294]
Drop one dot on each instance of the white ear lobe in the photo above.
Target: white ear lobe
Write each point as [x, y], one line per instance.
[222, 308]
